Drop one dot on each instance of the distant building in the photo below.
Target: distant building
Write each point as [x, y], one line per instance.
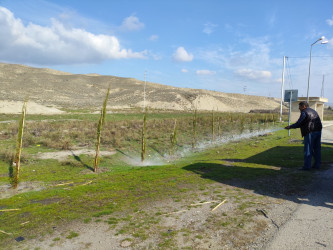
[316, 103]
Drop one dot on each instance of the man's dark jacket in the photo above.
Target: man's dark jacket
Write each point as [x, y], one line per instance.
[309, 121]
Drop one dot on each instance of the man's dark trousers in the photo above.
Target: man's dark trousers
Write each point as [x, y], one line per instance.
[312, 147]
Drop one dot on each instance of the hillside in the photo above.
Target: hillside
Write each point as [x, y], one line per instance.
[51, 88]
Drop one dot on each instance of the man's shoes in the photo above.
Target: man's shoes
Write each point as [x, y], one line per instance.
[304, 169]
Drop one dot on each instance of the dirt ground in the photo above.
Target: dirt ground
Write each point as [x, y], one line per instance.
[188, 224]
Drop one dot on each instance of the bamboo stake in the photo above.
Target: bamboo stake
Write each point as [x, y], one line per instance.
[5, 232]
[173, 138]
[143, 137]
[219, 205]
[10, 209]
[19, 143]
[84, 184]
[99, 129]
[62, 184]
[202, 203]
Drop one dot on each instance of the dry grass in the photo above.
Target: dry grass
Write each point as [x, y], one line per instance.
[127, 134]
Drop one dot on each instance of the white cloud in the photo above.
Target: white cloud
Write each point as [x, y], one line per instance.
[256, 54]
[250, 74]
[184, 70]
[55, 44]
[209, 28]
[153, 38]
[156, 57]
[205, 72]
[132, 23]
[181, 55]
[330, 22]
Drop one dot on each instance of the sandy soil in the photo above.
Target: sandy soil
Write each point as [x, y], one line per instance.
[62, 155]
[13, 107]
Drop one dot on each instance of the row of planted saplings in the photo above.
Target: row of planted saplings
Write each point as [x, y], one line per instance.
[19, 142]
[212, 126]
[161, 134]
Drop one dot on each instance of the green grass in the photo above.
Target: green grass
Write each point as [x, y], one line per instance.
[72, 235]
[124, 188]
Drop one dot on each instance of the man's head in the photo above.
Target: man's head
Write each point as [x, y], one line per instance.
[302, 106]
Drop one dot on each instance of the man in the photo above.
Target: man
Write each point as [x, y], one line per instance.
[310, 124]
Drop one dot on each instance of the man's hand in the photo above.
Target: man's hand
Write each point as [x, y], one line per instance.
[288, 127]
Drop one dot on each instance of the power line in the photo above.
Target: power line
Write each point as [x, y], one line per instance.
[306, 56]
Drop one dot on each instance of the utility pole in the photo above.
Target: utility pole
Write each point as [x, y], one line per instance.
[282, 86]
[322, 87]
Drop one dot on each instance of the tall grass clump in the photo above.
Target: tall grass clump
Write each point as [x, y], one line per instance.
[273, 119]
[231, 118]
[19, 140]
[242, 123]
[143, 136]
[173, 138]
[213, 128]
[251, 124]
[99, 129]
[194, 137]
[219, 128]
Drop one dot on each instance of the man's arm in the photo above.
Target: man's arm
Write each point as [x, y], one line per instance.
[299, 122]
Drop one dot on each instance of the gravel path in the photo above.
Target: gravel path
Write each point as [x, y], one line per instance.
[327, 135]
[311, 226]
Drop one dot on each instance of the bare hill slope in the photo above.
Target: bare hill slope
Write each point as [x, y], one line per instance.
[55, 88]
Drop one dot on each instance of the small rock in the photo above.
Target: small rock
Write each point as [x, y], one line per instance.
[125, 243]
[20, 238]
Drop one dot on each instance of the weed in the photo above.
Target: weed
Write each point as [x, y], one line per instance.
[104, 212]
[72, 235]
[167, 243]
[112, 221]
[87, 220]
[243, 206]
[200, 237]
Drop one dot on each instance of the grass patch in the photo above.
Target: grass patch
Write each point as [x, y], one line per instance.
[72, 235]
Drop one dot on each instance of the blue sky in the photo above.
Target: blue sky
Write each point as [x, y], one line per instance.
[229, 46]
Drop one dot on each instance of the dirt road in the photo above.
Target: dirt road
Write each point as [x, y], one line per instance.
[311, 226]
